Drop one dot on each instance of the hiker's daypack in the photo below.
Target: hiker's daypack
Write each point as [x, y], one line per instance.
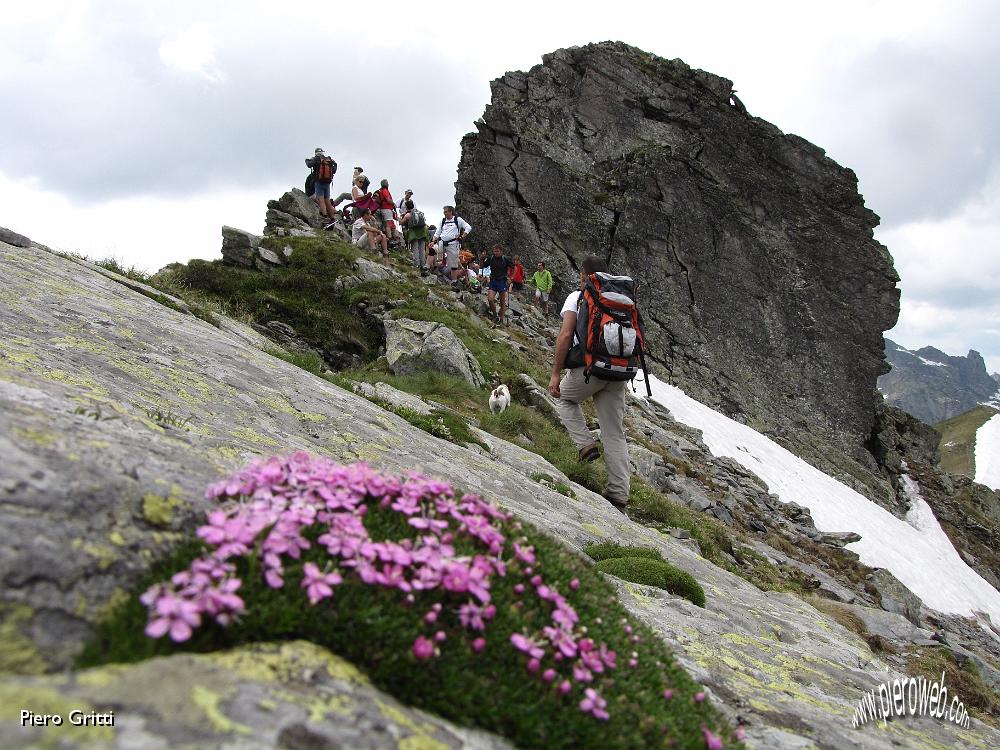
[609, 330]
[310, 184]
[324, 168]
[417, 220]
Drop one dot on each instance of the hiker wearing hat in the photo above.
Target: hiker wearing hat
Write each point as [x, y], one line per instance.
[324, 168]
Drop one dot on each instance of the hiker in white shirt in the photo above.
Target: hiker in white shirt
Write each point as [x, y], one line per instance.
[401, 203]
[450, 234]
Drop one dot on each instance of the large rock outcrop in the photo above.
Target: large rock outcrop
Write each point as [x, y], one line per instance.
[764, 291]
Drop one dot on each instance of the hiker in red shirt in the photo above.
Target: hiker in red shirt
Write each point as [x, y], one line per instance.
[386, 210]
[517, 275]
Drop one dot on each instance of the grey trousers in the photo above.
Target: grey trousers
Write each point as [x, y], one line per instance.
[609, 400]
[417, 249]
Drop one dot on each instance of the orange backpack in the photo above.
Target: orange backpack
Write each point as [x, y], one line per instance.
[611, 340]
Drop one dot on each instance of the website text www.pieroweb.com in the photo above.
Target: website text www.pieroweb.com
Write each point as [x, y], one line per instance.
[911, 696]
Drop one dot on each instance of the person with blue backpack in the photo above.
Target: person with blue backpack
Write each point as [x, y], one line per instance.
[602, 346]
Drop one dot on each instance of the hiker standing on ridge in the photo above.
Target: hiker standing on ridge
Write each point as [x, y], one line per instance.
[324, 168]
[542, 279]
[450, 234]
[415, 233]
[600, 366]
[386, 208]
[517, 276]
[401, 205]
[499, 266]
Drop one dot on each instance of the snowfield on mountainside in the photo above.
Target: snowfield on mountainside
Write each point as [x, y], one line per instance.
[916, 551]
[988, 453]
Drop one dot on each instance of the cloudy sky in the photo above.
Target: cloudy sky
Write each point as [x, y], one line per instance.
[136, 130]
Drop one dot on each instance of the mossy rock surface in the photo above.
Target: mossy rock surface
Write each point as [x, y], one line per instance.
[655, 573]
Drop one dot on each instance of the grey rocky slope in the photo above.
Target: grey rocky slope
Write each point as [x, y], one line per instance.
[935, 386]
[764, 290]
[95, 485]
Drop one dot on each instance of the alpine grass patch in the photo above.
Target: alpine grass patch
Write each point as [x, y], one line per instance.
[607, 550]
[645, 565]
[447, 602]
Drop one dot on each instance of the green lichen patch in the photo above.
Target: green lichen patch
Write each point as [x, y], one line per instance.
[18, 653]
[158, 510]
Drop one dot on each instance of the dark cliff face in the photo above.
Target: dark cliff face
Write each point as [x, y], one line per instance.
[934, 386]
[764, 291]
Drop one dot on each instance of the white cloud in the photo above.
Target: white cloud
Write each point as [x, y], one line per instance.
[193, 114]
[192, 51]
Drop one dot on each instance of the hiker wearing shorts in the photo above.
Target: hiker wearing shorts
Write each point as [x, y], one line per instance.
[323, 167]
[449, 235]
[609, 399]
[499, 266]
[542, 279]
[386, 210]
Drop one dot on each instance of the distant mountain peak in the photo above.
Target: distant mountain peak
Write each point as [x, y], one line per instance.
[934, 385]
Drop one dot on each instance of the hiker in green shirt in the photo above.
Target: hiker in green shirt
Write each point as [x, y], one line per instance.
[542, 280]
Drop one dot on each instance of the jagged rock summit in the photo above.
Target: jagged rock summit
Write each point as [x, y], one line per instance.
[935, 386]
[764, 291]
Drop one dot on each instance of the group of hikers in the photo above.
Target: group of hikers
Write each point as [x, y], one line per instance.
[601, 344]
[378, 223]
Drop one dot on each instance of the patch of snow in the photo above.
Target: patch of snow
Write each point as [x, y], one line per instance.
[931, 362]
[988, 453]
[994, 400]
[916, 550]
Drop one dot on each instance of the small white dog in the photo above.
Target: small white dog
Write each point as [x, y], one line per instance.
[500, 398]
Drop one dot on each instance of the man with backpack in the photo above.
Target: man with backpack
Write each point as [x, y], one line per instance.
[450, 233]
[601, 343]
[323, 169]
[415, 233]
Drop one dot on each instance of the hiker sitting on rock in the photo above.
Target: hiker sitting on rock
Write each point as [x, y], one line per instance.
[366, 234]
[324, 168]
[349, 195]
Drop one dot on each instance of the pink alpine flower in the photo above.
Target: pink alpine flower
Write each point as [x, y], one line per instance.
[423, 648]
[318, 585]
[712, 742]
[593, 703]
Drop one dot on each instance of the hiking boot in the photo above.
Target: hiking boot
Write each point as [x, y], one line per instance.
[621, 505]
[590, 453]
